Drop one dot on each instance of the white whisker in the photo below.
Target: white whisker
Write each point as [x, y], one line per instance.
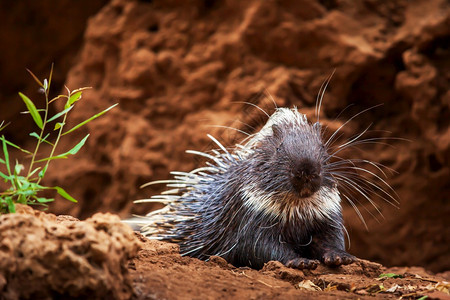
[254, 105]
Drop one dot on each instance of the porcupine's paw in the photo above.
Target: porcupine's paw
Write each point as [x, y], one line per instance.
[302, 263]
[335, 258]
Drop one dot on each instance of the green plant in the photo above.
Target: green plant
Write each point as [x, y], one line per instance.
[26, 189]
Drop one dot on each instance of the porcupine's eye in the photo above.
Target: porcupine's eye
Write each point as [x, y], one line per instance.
[279, 147]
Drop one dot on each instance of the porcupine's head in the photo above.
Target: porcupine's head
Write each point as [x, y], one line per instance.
[288, 157]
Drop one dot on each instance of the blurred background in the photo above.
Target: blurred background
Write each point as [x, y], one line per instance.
[178, 67]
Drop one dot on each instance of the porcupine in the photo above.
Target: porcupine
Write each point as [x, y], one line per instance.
[274, 197]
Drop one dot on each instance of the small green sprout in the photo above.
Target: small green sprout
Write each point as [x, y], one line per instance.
[390, 275]
[25, 189]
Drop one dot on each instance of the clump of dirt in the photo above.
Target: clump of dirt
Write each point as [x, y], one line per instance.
[160, 272]
[43, 256]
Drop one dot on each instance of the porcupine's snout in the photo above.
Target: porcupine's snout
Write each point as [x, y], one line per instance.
[306, 177]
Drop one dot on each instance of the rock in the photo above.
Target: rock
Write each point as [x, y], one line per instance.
[44, 256]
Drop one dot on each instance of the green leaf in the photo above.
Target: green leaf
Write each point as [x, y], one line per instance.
[78, 146]
[32, 109]
[58, 125]
[34, 134]
[390, 275]
[11, 206]
[42, 172]
[4, 176]
[24, 183]
[44, 200]
[22, 199]
[90, 119]
[15, 180]
[60, 114]
[63, 193]
[73, 98]
[72, 151]
[24, 194]
[6, 154]
[36, 186]
[2, 161]
[44, 139]
[60, 156]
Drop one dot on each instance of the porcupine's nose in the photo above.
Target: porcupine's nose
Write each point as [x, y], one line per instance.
[305, 177]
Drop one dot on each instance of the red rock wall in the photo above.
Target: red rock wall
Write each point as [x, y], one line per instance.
[35, 34]
[176, 67]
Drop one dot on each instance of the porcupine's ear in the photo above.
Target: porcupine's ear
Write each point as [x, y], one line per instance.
[276, 131]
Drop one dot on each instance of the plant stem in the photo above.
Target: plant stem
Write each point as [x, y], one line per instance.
[57, 139]
[41, 134]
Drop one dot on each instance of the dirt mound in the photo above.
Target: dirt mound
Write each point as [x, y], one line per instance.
[43, 256]
[46, 257]
[159, 271]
